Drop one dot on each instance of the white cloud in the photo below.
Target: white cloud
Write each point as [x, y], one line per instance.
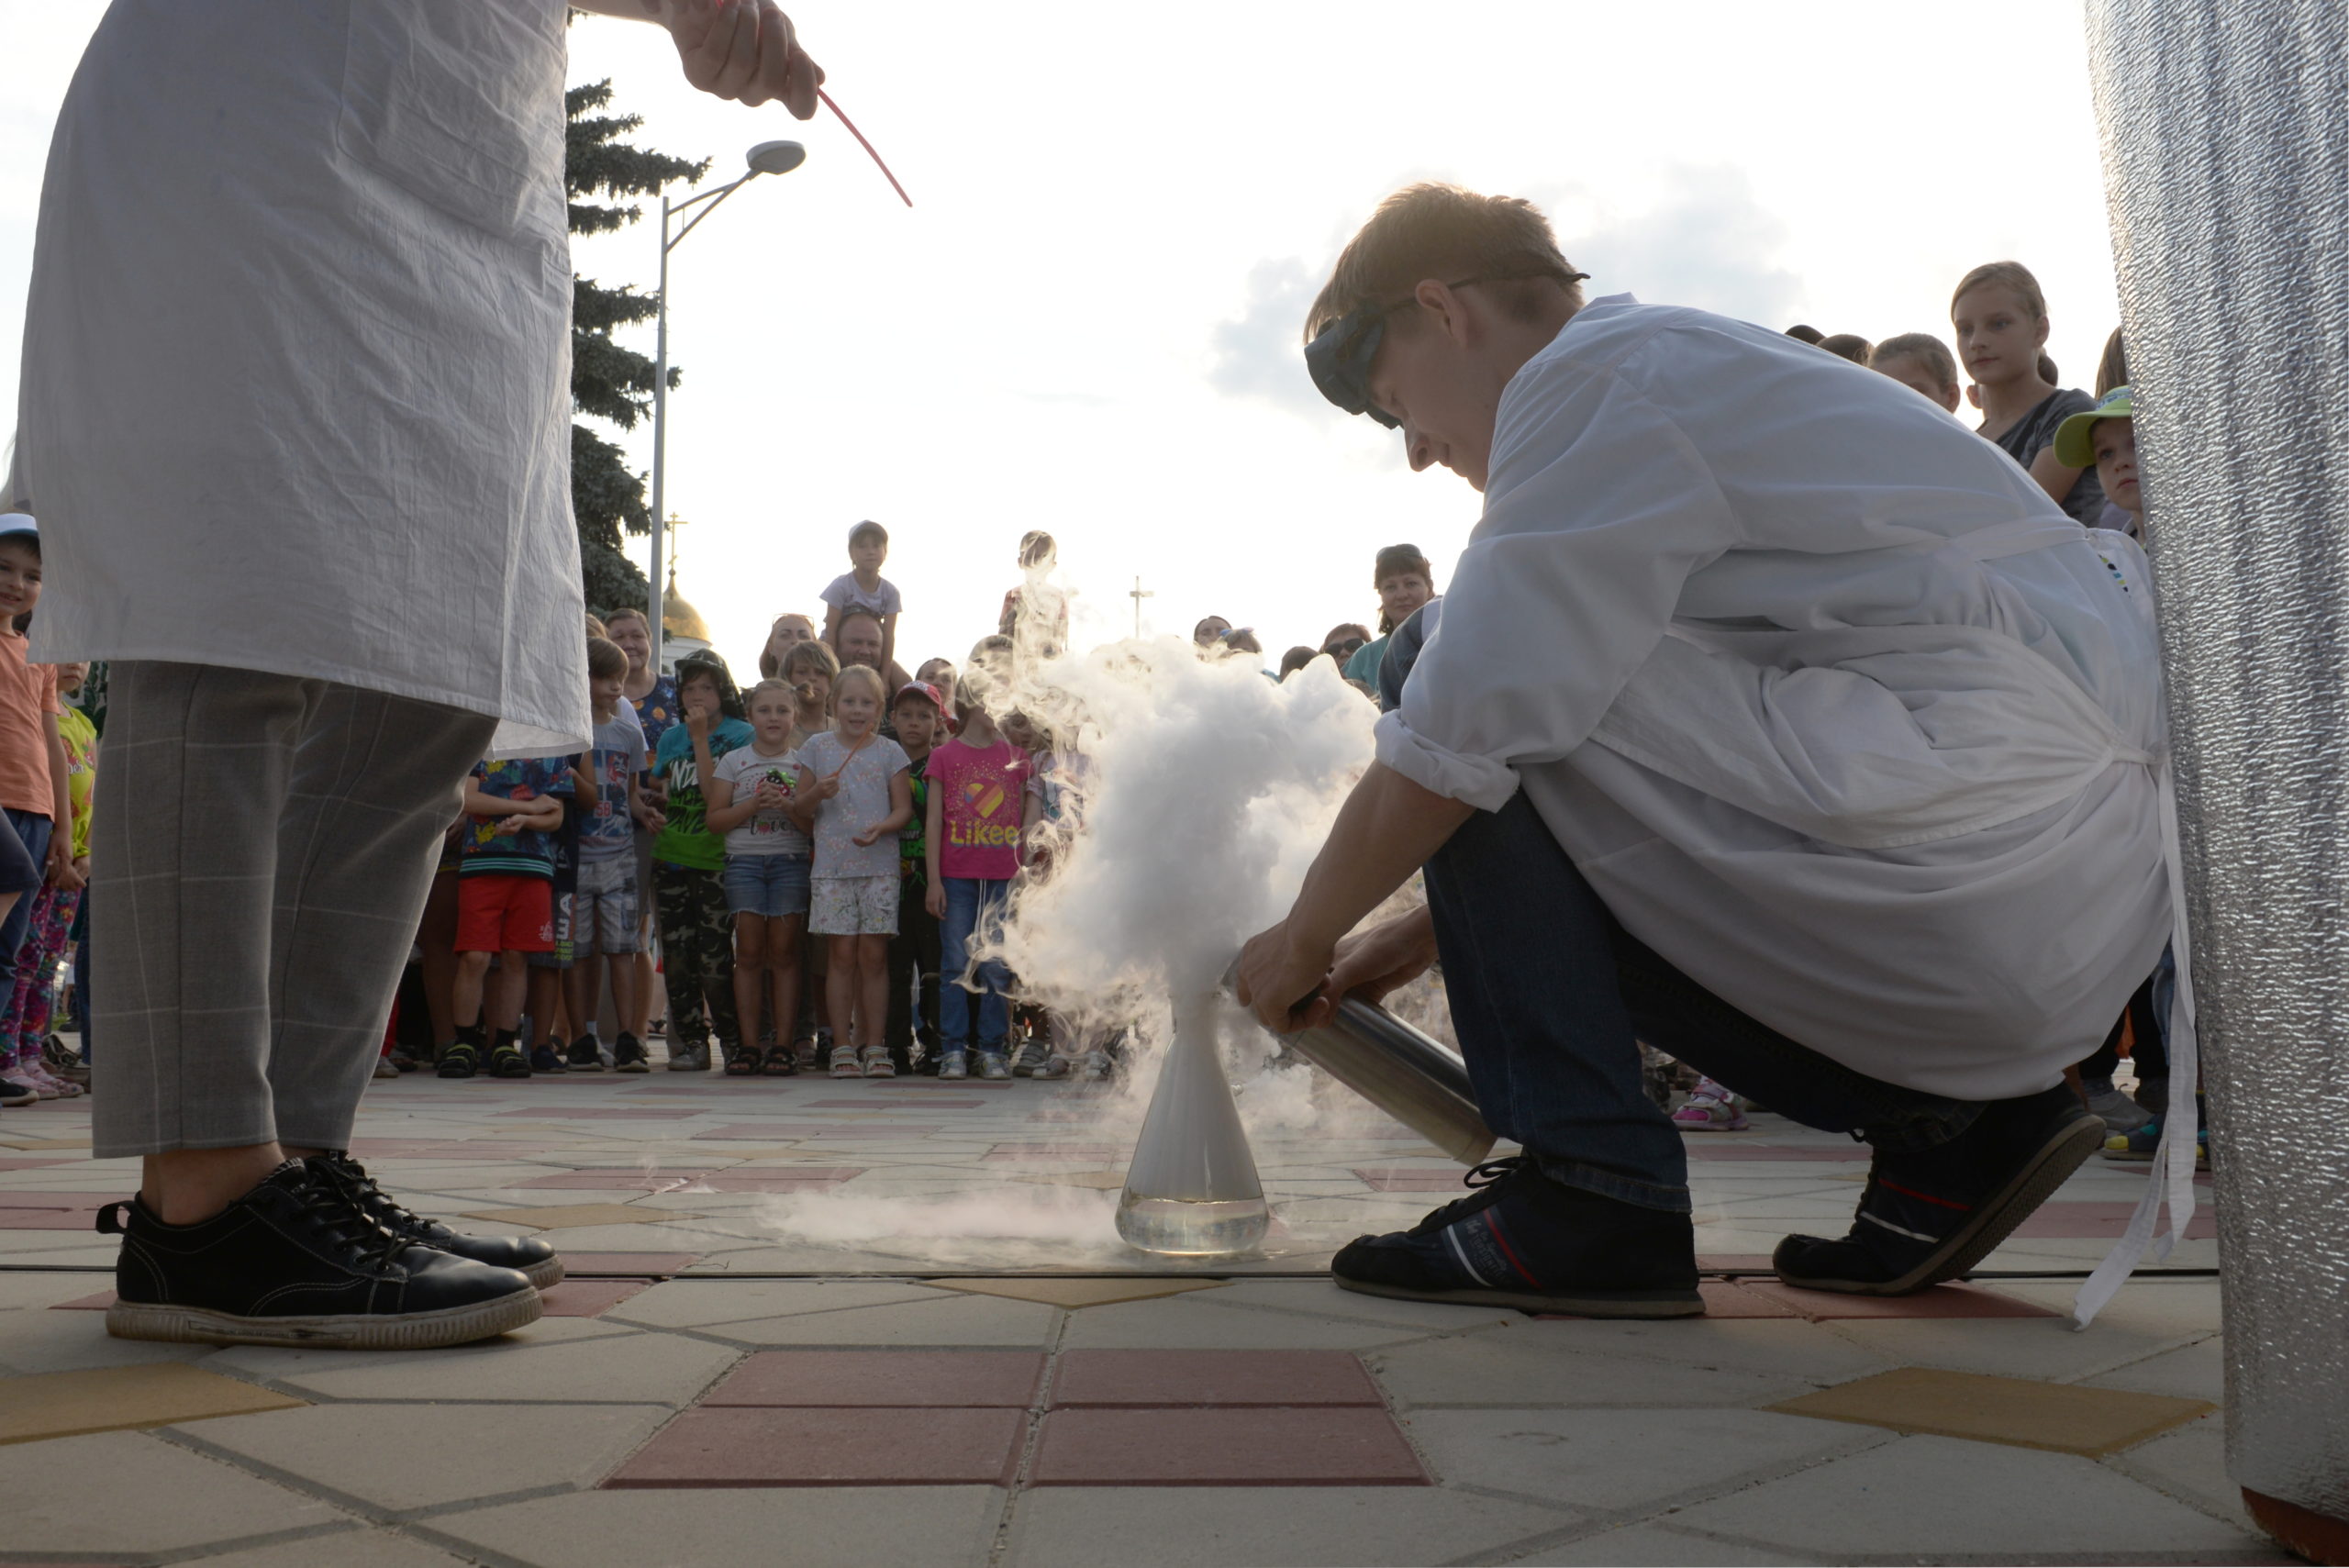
[1259, 354]
[1704, 240]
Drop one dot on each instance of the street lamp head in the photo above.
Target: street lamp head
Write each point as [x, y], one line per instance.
[775, 156]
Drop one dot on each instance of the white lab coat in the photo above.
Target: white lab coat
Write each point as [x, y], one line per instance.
[296, 369]
[1831, 706]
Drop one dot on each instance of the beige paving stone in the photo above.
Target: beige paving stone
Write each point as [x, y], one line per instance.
[67, 1404]
[1320, 1298]
[563, 1216]
[1075, 1293]
[46, 1289]
[2067, 1418]
[1769, 1347]
[841, 1527]
[402, 1457]
[686, 1303]
[1191, 1323]
[2147, 1304]
[2045, 1348]
[2192, 1372]
[33, 1340]
[356, 1547]
[1922, 1496]
[2189, 1464]
[1614, 1459]
[637, 1368]
[88, 1505]
[1264, 1526]
[1501, 1370]
[1655, 1546]
[946, 1322]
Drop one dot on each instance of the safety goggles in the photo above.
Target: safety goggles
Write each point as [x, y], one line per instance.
[1339, 355]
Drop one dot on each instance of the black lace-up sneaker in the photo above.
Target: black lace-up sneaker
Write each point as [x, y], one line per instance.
[526, 1255]
[586, 1055]
[1929, 1215]
[294, 1263]
[1521, 1240]
[627, 1054]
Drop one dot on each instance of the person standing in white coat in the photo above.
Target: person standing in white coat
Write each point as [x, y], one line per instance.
[1772, 719]
[295, 422]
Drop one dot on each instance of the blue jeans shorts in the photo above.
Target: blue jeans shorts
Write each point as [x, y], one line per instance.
[770, 886]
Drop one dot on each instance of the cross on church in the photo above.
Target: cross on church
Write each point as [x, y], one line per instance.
[1138, 596]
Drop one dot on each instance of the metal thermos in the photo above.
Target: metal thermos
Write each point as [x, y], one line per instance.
[1402, 1072]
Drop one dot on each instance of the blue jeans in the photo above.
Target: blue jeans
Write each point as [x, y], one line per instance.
[31, 829]
[1550, 997]
[973, 907]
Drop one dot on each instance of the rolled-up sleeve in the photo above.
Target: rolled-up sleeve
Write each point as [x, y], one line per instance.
[1599, 506]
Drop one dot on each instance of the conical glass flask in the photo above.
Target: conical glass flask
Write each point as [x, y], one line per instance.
[1192, 1189]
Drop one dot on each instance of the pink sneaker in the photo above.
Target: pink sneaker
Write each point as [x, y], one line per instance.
[1710, 1108]
[29, 1072]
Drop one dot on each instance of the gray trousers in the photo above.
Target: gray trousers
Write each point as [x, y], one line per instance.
[261, 847]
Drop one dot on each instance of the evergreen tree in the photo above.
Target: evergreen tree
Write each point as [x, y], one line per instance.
[608, 381]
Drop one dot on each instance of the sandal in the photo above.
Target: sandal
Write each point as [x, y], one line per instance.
[742, 1063]
[780, 1062]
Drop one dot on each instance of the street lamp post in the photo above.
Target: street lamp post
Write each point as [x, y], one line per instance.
[766, 158]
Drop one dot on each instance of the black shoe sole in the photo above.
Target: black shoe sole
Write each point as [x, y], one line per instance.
[1579, 1304]
[405, 1331]
[2063, 1153]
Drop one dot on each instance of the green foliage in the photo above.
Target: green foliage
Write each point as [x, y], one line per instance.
[609, 381]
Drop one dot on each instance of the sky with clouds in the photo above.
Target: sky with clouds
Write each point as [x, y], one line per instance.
[1088, 320]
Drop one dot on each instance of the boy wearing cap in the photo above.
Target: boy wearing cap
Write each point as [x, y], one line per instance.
[2105, 436]
[1730, 688]
[862, 587]
[916, 714]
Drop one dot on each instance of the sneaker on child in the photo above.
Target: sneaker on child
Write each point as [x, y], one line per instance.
[586, 1054]
[955, 1065]
[627, 1054]
[1710, 1108]
[993, 1064]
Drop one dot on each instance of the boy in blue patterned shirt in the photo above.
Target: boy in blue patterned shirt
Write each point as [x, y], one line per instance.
[505, 904]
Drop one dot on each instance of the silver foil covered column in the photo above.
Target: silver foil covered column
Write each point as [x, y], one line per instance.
[2225, 128]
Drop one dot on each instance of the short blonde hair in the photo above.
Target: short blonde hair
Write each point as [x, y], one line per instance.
[1432, 230]
[820, 654]
[1933, 356]
[783, 689]
[860, 676]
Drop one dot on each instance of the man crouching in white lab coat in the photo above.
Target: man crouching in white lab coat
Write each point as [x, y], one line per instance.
[1772, 719]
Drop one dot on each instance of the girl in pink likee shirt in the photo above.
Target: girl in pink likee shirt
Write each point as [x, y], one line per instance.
[978, 784]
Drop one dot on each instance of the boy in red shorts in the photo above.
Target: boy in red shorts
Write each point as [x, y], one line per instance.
[505, 904]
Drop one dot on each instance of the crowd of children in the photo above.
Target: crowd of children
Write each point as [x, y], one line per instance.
[820, 865]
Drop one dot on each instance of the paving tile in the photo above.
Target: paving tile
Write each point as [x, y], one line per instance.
[1722, 1299]
[1936, 1301]
[846, 1527]
[1336, 1446]
[1211, 1377]
[1320, 1298]
[87, 1508]
[67, 1404]
[940, 1322]
[829, 1447]
[2192, 1372]
[45, 1220]
[626, 1262]
[693, 1302]
[358, 1546]
[418, 1456]
[927, 1103]
[942, 1379]
[1521, 1368]
[571, 1217]
[1617, 1459]
[1921, 1496]
[83, 1201]
[1077, 1293]
[97, 1303]
[784, 1180]
[607, 1367]
[1656, 1546]
[2189, 1464]
[2065, 1418]
[1263, 1527]
[1100, 1181]
[1189, 1322]
[602, 1113]
[588, 1298]
[2102, 1221]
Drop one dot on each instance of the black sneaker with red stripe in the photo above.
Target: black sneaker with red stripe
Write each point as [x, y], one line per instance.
[1930, 1215]
[1521, 1240]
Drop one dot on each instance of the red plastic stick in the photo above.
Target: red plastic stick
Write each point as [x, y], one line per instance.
[866, 145]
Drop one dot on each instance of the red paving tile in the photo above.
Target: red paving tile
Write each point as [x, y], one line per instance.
[829, 1447]
[1722, 1299]
[1211, 1377]
[97, 1303]
[625, 1263]
[589, 1297]
[872, 1379]
[396, 1148]
[2101, 1222]
[1338, 1446]
[1940, 1301]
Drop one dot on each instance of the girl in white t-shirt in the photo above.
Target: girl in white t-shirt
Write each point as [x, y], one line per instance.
[750, 794]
